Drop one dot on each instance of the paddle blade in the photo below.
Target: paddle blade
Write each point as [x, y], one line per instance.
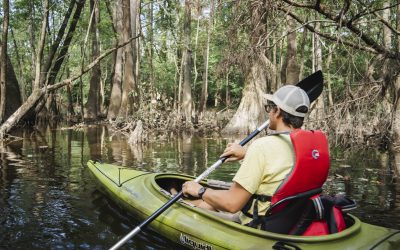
[312, 85]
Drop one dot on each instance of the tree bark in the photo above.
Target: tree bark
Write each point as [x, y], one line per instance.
[20, 79]
[396, 112]
[3, 59]
[204, 88]
[328, 76]
[39, 52]
[302, 52]
[13, 98]
[129, 88]
[319, 111]
[116, 91]
[292, 68]
[92, 107]
[136, 32]
[151, 50]
[187, 67]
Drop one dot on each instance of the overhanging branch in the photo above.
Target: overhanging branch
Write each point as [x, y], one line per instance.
[371, 43]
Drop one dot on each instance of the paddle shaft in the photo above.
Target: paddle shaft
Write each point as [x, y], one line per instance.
[179, 195]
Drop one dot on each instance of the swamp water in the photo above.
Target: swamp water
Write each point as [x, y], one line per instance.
[48, 199]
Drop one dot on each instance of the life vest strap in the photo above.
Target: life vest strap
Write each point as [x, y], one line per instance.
[254, 198]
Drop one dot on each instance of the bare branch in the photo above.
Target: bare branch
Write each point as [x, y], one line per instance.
[379, 49]
[374, 12]
[329, 37]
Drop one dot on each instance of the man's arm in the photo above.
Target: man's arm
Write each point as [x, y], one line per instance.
[231, 200]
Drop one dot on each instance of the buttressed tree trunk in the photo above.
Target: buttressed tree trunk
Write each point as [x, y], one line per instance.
[187, 67]
[92, 107]
[250, 113]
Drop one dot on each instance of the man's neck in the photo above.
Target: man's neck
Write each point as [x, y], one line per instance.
[282, 127]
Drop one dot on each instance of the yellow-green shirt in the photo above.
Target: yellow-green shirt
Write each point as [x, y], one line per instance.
[267, 162]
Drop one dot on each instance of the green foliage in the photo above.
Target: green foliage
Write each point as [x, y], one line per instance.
[230, 47]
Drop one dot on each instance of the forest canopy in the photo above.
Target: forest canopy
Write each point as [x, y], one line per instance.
[200, 64]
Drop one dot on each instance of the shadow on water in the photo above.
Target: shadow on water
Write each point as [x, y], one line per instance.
[48, 199]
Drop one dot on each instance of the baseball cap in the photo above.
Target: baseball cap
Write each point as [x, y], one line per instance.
[289, 98]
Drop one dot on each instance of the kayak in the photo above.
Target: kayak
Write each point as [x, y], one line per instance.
[142, 193]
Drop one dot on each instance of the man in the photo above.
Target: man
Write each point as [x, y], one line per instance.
[267, 161]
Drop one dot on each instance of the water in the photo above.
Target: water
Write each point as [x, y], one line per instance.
[48, 199]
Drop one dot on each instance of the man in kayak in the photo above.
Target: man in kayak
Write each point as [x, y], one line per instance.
[266, 163]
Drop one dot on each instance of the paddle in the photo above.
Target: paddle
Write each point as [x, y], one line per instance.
[312, 85]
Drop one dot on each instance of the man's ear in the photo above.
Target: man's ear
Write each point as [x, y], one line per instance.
[278, 112]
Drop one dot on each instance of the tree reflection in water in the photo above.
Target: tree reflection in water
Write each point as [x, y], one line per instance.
[48, 198]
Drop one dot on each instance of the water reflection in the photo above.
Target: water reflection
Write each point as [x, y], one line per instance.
[48, 198]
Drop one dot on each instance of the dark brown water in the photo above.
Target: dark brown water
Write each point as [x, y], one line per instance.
[48, 199]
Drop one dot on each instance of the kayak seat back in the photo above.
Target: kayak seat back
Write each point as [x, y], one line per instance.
[319, 215]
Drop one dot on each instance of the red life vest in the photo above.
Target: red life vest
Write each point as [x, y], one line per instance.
[303, 184]
[311, 165]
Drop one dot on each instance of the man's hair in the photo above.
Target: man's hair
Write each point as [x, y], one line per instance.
[292, 120]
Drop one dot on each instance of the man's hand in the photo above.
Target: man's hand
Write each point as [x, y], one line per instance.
[191, 188]
[234, 151]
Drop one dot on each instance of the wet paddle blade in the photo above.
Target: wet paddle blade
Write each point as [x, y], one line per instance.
[312, 85]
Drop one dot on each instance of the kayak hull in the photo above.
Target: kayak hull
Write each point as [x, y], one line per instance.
[140, 194]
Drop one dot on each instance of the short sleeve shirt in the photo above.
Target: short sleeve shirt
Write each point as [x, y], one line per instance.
[267, 162]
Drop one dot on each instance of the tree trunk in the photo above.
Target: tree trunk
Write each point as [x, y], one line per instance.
[187, 67]
[250, 113]
[204, 88]
[151, 51]
[283, 63]
[116, 91]
[319, 109]
[39, 52]
[20, 79]
[71, 111]
[227, 94]
[58, 62]
[92, 107]
[292, 68]
[56, 43]
[396, 112]
[129, 92]
[328, 76]
[13, 98]
[3, 59]
[302, 52]
[136, 32]
[32, 32]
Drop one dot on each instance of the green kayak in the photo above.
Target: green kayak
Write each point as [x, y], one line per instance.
[142, 193]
